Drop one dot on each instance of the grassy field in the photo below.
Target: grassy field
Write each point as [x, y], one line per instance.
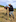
[3, 17]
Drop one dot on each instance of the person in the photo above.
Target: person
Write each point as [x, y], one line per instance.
[11, 10]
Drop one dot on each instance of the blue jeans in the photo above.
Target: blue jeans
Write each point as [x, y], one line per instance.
[11, 13]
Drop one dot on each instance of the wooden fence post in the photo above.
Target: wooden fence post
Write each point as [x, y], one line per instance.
[8, 13]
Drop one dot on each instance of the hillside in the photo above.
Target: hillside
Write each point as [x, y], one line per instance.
[1, 6]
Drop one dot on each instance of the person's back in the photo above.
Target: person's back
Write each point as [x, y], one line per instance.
[11, 8]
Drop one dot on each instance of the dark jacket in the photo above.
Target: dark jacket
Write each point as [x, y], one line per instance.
[11, 8]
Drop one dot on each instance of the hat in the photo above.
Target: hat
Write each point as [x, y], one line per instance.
[9, 4]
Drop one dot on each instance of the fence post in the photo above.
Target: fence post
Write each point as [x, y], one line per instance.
[8, 13]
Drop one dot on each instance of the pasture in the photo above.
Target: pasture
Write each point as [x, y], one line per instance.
[3, 15]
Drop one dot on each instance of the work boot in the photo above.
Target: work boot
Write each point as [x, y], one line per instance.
[13, 17]
[9, 15]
